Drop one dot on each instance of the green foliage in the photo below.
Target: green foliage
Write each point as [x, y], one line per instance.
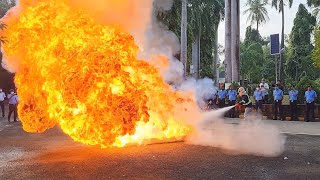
[252, 35]
[257, 11]
[251, 59]
[316, 50]
[5, 5]
[299, 60]
[268, 67]
[314, 3]
[206, 17]
[235, 85]
[203, 20]
[279, 4]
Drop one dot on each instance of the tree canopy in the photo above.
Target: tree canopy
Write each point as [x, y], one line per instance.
[5, 5]
[251, 59]
[299, 59]
[257, 11]
[279, 4]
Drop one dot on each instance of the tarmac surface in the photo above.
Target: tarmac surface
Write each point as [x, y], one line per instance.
[53, 155]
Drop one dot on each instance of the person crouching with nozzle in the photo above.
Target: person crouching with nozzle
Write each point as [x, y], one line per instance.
[245, 101]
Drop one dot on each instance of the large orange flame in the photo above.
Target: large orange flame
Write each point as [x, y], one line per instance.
[79, 74]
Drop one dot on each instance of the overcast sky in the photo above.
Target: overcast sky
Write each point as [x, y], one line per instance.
[273, 26]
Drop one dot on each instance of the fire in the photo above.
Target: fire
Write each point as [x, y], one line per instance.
[85, 77]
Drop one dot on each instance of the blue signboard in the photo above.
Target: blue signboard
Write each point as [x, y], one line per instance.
[275, 45]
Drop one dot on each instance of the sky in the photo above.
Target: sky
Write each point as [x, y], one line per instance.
[273, 26]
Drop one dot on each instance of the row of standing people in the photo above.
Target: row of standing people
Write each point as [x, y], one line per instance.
[260, 96]
[12, 102]
[310, 97]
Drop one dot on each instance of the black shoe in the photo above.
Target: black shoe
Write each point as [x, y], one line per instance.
[15, 121]
[3, 115]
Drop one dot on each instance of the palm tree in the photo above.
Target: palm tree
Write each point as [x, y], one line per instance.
[257, 11]
[205, 17]
[279, 5]
[201, 19]
[184, 38]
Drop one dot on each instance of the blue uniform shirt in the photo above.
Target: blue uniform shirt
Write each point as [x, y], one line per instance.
[293, 95]
[310, 96]
[258, 94]
[222, 94]
[13, 99]
[277, 94]
[232, 94]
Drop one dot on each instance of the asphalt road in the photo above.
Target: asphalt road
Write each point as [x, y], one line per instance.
[52, 155]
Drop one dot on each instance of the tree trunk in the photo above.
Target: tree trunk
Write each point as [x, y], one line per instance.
[199, 52]
[216, 56]
[196, 57]
[281, 68]
[184, 46]
[234, 40]
[228, 69]
[257, 26]
[238, 42]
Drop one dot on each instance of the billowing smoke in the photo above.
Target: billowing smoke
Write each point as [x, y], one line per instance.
[203, 89]
[158, 42]
[250, 136]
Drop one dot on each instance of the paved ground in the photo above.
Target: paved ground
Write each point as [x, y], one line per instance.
[52, 155]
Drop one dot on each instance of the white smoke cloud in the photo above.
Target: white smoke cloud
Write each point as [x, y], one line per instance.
[203, 89]
[158, 40]
[250, 136]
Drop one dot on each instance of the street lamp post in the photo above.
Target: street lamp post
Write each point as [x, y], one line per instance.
[280, 67]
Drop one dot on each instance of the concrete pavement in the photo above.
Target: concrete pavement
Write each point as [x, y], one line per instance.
[53, 155]
[290, 127]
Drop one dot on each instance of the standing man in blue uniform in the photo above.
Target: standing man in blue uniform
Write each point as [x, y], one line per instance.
[265, 88]
[258, 96]
[2, 98]
[232, 95]
[278, 96]
[310, 96]
[13, 103]
[293, 97]
[222, 94]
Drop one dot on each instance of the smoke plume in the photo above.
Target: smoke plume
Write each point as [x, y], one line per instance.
[250, 136]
